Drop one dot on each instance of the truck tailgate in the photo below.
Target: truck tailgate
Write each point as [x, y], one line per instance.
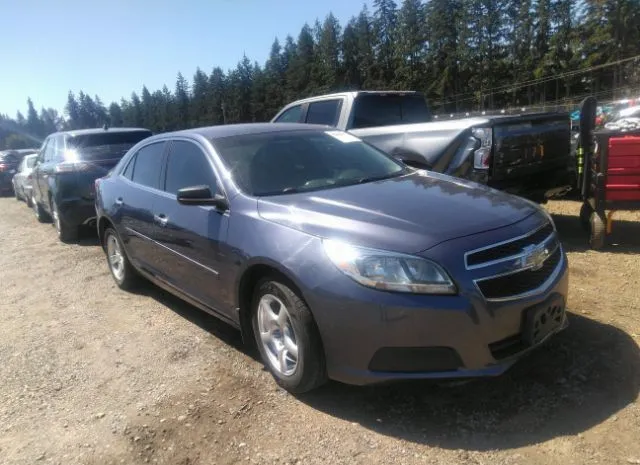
[530, 144]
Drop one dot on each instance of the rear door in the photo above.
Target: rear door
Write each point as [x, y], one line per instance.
[191, 236]
[134, 205]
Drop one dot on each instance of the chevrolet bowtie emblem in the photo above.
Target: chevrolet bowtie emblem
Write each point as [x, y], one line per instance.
[534, 257]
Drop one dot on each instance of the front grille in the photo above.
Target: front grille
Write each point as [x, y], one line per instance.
[510, 248]
[520, 282]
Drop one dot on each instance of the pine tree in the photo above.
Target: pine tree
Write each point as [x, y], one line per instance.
[386, 15]
[328, 73]
[115, 115]
[352, 78]
[34, 126]
[410, 45]
[72, 110]
[182, 102]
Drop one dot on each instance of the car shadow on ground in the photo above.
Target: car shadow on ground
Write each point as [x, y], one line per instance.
[624, 239]
[213, 325]
[578, 380]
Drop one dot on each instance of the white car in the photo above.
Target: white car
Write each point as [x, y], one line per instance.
[22, 178]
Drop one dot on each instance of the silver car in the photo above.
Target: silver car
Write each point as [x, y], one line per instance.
[22, 178]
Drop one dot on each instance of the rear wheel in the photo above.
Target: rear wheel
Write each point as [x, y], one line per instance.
[287, 337]
[66, 232]
[598, 234]
[41, 215]
[585, 216]
[121, 269]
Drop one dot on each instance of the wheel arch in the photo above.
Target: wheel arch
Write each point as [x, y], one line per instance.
[246, 284]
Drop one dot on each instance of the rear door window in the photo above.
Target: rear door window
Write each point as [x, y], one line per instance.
[388, 110]
[292, 115]
[108, 145]
[148, 165]
[325, 112]
[188, 166]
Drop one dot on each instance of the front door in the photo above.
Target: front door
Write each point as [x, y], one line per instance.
[191, 236]
[38, 170]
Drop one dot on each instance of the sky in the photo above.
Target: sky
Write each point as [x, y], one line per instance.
[111, 48]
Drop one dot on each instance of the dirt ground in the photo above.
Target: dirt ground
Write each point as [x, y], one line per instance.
[93, 375]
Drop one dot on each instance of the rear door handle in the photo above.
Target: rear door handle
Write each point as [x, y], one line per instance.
[161, 218]
[119, 201]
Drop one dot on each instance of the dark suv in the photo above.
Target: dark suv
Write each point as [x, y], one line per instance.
[9, 161]
[65, 171]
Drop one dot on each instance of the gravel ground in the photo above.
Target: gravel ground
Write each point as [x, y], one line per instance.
[94, 375]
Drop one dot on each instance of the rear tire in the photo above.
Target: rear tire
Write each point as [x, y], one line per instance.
[124, 274]
[41, 215]
[598, 234]
[289, 342]
[66, 232]
[585, 216]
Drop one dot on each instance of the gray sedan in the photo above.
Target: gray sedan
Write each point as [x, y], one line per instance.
[339, 261]
[22, 179]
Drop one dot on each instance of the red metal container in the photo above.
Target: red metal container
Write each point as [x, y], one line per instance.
[613, 181]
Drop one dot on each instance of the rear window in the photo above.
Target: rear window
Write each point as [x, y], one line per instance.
[31, 161]
[388, 110]
[104, 146]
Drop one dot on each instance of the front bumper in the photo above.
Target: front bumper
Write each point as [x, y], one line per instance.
[458, 336]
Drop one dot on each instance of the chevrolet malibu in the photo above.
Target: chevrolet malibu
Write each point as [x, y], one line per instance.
[339, 261]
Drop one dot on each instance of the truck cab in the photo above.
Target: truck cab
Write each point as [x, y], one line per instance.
[527, 155]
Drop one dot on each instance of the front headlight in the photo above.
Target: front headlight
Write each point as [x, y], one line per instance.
[389, 271]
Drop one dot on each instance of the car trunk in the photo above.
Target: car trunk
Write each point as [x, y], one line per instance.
[530, 144]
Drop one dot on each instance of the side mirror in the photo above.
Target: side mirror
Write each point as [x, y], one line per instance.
[201, 195]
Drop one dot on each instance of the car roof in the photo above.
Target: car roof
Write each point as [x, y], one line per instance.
[218, 132]
[353, 94]
[87, 132]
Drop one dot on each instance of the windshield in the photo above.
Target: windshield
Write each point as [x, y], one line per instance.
[107, 145]
[373, 110]
[299, 161]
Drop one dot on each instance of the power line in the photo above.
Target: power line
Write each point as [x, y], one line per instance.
[532, 82]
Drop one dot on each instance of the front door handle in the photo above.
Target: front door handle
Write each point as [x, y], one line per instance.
[161, 218]
[119, 201]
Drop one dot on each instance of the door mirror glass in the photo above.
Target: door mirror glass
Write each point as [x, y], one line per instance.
[201, 195]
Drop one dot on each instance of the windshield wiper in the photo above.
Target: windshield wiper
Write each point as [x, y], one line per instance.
[377, 178]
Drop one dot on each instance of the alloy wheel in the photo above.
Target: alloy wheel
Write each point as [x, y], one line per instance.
[115, 257]
[277, 335]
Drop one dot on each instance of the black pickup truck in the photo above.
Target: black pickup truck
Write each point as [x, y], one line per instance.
[528, 155]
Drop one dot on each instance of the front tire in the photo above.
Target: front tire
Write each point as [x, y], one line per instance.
[287, 337]
[121, 269]
[598, 233]
[66, 232]
[41, 215]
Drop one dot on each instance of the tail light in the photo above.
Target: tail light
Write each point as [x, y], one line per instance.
[29, 177]
[4, 167]
[482, 155]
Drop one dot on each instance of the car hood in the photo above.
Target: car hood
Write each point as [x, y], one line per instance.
[409, 213]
